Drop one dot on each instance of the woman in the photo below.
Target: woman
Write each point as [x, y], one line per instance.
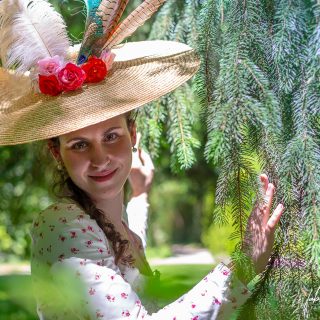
[82, 244]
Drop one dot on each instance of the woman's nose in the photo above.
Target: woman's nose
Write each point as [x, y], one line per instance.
[99, 157]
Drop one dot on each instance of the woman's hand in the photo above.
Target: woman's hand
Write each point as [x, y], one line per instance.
[142, 171]
[261, 227]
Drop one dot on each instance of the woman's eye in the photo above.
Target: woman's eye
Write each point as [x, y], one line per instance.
[79, 146]
[111, 136]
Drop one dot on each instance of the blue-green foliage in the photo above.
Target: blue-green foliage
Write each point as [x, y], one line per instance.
[260, 84]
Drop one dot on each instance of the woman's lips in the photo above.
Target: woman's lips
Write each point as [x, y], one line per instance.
[101, 177]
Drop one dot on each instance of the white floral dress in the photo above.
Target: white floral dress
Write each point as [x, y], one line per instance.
[65, 240]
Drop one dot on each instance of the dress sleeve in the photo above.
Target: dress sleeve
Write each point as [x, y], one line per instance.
[78, 245]
[137, 214]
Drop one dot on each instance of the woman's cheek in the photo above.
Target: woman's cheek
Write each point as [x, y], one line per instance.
[74, 165]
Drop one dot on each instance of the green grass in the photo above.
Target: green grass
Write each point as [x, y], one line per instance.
[176, 280]
[17, 302]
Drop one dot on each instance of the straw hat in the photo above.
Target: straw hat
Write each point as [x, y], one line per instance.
[140, 73]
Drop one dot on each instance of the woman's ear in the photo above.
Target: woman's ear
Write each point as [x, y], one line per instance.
[54, 150]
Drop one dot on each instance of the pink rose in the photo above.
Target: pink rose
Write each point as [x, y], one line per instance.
[107, 57]
[71, 77]
[49, 66]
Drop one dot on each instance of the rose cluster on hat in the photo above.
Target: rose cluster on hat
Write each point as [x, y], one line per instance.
[50, 87]
[56, 76]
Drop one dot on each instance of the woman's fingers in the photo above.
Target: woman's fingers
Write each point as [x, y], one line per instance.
[267, 192]
[275, 217]
[264, 181]
[269, 195]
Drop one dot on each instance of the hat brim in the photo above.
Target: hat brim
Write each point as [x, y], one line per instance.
[142, 72]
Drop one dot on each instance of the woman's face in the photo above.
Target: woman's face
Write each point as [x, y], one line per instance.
[98, 158]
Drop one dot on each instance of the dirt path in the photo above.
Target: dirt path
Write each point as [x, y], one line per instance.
[184, 254]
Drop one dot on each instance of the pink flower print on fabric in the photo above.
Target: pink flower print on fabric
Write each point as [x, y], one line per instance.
[50, 65]
[80, 217]
[100, 250]
[99, 315]
[90, 228]
[83, 230]
[89, 243]
[73, 234]
[216, 301]
[92, 291]
[74, 250]
[110, 298]
[138, 303]
[83, 262]
[204, 293]
[225, 272]
[126, 313]
[63, 220]
[124, 295]
[195, 318]
[62, 238]
[97, 276]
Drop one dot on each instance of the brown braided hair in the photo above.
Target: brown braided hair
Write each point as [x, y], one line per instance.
[64, 187]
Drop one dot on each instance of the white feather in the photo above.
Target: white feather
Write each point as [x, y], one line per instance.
[30, 30]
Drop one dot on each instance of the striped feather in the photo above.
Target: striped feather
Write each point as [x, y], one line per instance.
[136, 19]
[102, 18]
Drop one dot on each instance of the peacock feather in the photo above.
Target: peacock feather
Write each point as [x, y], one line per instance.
[102, 18]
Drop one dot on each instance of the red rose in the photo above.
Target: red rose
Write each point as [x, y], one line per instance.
[95, 70]
[49, 85]
[71, 77]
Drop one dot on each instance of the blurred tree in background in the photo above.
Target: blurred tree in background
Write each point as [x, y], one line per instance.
[257, 108]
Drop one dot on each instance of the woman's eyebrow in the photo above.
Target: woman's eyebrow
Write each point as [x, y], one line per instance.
[110, 129]
[84, 138]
